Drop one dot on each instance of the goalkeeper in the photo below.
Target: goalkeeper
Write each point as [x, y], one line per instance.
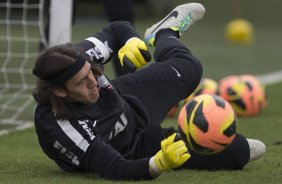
[86, 123]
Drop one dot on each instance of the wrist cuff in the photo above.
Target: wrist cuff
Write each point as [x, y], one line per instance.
[153, 168]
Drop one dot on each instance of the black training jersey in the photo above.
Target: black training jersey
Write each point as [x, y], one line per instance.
[102, 137]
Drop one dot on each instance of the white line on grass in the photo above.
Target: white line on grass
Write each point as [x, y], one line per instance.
[23, 126]
[271, 78]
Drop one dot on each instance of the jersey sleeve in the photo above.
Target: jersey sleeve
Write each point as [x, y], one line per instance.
[73, 146]
[107, 162]
[101, 46]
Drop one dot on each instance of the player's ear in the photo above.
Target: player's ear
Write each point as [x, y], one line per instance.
[59, 92]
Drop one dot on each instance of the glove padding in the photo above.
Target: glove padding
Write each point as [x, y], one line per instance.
[134, 54]
[172, 155]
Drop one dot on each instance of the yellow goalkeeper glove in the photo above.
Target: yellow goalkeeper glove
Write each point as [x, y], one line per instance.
[134, 54]
[172, 155]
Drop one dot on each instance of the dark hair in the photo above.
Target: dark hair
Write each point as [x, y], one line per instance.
[49, 64]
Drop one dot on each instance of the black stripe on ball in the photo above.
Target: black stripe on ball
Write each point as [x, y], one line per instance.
[231, 130]
[219, 101]
[196, 147]
[189, 108]
[199, 119]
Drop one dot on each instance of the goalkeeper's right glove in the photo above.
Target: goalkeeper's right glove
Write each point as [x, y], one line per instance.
[172, 155]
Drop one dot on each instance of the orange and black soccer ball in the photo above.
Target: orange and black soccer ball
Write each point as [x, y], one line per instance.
[207, 124]
[245, 93]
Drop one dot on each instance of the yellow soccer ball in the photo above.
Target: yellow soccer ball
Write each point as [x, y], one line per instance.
[239, 31]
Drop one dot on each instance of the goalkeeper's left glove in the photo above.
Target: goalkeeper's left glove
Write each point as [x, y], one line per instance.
[172, 155]
[134, 54]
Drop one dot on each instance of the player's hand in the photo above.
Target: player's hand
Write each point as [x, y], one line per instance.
[172, 155]
[134, 54]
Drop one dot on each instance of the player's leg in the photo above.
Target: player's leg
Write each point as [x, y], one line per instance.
[240, 152]
[177, 73]
[161, 85]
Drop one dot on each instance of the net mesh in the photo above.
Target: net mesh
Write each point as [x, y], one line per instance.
[21, 31]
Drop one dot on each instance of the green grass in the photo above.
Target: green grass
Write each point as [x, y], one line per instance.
[22, 160]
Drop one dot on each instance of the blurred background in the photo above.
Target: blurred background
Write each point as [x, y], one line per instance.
[207, 38]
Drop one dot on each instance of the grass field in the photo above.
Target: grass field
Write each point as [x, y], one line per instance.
[22, 160]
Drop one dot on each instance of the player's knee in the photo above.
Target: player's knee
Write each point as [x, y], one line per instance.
[191, 68]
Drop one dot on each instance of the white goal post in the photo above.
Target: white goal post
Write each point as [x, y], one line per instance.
[22, 24]
[60, 21]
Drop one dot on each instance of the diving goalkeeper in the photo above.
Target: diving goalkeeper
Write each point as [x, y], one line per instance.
[86, 123]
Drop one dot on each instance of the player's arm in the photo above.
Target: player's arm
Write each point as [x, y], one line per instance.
[102, 159]
[120, 38]
[74, 148]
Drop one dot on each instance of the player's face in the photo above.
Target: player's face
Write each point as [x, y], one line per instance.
[82, 87]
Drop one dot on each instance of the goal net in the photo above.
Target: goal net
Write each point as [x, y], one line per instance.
[21, 32]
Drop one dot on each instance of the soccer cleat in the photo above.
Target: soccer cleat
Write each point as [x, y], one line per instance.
[179, 19]
[257, 149]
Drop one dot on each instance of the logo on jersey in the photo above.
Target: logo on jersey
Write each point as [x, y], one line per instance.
[119, 126]
[100, 52]
[94, 52]
[177, 73]
[84, 124]
[64, 151]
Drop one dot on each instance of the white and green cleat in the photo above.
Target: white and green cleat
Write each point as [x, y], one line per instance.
[179, 19]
